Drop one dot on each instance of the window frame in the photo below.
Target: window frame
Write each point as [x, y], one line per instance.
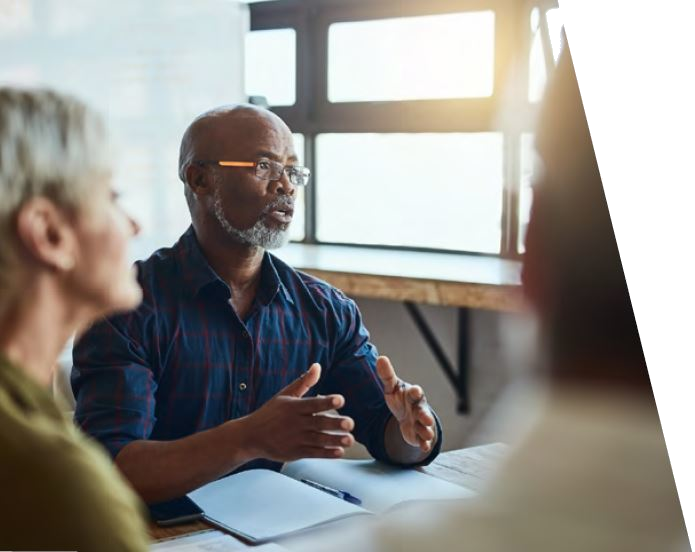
[313, 114]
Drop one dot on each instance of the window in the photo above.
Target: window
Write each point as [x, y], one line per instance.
[270, 65]
[417, 118]
[297, 228]
[529, 163]
[437, 191]
[437, 56]
[537, 69]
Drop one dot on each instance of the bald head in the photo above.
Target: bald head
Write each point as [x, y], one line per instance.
[572, 269]
[221, 133]
[235, 202]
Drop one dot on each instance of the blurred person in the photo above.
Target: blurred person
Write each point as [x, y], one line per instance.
[63, 263]
[592, 473]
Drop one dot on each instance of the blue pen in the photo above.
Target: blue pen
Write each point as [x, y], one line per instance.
[333, 492]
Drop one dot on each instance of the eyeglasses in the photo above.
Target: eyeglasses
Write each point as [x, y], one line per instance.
[267, 169]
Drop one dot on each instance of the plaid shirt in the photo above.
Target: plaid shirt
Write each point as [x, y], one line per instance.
[184, 361]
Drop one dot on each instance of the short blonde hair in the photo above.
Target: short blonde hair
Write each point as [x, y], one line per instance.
[51, 145]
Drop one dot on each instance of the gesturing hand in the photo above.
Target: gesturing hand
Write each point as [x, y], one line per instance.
[290, 426]
[408, 405]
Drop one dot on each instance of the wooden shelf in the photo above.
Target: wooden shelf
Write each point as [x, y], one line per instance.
[430, 278]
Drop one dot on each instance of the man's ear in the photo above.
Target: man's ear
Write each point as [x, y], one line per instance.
[47, 235]
[198, 180]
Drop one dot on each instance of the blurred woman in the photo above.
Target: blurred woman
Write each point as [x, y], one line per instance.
[63, 263]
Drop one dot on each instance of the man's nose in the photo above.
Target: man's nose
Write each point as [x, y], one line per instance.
[283, 186]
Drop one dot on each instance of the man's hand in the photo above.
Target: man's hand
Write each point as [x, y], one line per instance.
[290, 426]
[408, 405]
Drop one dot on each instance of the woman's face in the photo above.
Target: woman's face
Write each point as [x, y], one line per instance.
[104, 280]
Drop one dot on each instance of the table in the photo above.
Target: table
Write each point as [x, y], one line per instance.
[471, 467]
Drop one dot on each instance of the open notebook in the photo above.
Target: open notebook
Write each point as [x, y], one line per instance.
[262, 505]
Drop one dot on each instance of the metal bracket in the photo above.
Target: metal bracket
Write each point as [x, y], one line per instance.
[458, 378]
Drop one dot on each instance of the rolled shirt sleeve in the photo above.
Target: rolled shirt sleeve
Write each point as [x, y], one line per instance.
[113, 383]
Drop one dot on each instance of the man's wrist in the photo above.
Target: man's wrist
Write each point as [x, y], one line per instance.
[238, 441]
[398, 450]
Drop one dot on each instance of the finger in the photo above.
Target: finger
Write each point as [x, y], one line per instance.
[424, 415]
[415, 394]
[330, 440]
[326, 422]
[314, 405]
[387, 374]
[321, 452]
[303, 383]
[424, 433]
[425, 445]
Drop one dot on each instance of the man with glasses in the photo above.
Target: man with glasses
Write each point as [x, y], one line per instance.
[234, 358]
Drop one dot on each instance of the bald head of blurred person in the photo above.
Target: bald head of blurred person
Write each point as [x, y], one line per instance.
[591, 470]
[572, 272]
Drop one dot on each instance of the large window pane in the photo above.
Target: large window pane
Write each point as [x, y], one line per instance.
[440, 191]
[437, 56]
[270, 65]
[297, 226]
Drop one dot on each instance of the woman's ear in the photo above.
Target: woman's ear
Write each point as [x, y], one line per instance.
[47, 235]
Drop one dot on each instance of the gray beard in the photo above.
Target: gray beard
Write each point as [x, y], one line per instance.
[259, 235]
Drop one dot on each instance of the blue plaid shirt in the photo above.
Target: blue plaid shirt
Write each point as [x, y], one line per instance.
[184, 361]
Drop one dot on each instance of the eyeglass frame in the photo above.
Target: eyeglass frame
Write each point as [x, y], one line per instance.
[255, 164]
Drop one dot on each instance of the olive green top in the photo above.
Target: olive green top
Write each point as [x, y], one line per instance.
[58, 490]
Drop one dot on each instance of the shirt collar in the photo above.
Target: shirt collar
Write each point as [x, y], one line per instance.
[198, 274]
[274, 262]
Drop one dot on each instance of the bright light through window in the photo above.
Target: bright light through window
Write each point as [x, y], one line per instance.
[430, 57]
[441, 191]
[537, 71]
[270, 65]
[529, 164]
[297, 226]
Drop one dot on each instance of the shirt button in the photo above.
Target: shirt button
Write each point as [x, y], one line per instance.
[245, 334]
[242, 386]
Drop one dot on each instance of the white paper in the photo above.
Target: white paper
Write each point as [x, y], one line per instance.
[379, 486]
[263, 504]
[472, 467]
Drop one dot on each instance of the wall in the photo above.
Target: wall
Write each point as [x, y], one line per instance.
[149, 67]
